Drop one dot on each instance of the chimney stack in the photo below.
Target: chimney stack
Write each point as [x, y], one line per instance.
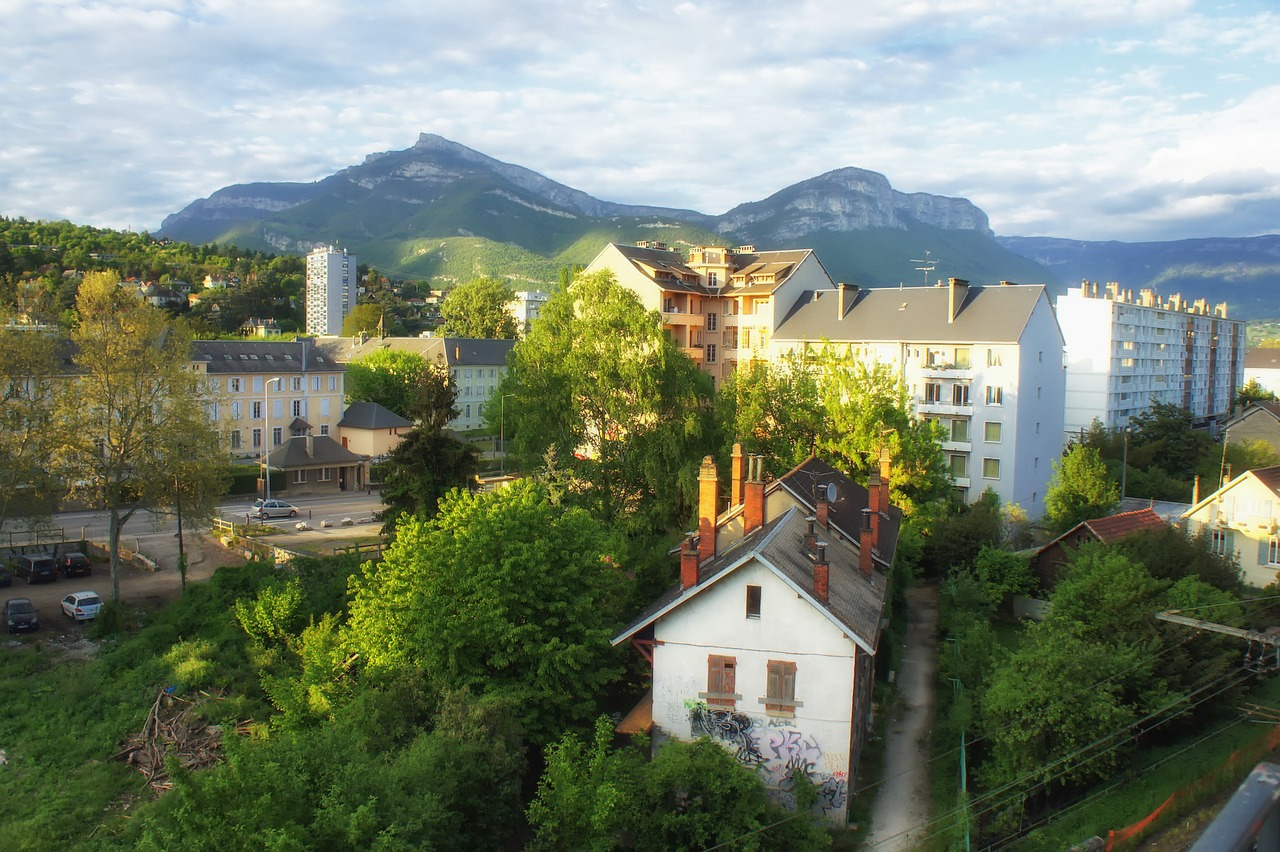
[707, 495]
[1195, 491]
[810, 536]
[737, 473]
[864, 544]
[688, 564]
[822, 574]
[957, 288]
[753, 498]
[873, 506]
[823, 507]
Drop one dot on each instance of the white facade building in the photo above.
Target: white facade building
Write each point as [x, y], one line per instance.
[525, 307]
[985, 362]
[1263, 366]
[1124, 354]
[331, 289]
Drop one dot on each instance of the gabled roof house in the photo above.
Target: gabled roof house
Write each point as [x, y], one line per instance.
[768, 643]
[1243, 518]
[1049, 559]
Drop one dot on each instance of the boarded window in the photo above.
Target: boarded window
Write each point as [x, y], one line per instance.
[780, 691]
[721, 680]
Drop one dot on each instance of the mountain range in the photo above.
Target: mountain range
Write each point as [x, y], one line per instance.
[440, 210]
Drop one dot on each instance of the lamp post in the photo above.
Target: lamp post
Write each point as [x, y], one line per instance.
[266, 436]
[502, 430]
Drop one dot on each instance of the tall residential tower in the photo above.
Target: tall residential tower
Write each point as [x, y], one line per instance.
[331, 289]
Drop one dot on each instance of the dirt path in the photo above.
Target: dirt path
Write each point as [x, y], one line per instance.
[904, 801]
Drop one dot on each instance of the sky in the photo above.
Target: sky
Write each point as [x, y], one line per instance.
[1130, 120]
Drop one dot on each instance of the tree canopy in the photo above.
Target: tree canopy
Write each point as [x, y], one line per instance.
[365, 318]
[392, 378]
[1080, 489]
[28, 365]
[478, 308]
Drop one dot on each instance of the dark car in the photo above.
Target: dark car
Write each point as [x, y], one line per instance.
[37, 567]
[20, 614]
[75, 565]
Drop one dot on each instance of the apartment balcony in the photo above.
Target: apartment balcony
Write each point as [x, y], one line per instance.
[944, 407]
[695, 352]
[947, 371]
[957, 446]
[682, 318]
[960, 481]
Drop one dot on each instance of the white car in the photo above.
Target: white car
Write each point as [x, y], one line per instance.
[273, 509]
[81, 606]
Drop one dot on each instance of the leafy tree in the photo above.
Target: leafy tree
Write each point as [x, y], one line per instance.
[392, 378]
[28, 364]
[1251, 392]
[625, 410]
[365, 317]
[1080, 489]
[134, 409]
[478, 308]
[957, 537]
[774, 410]
[1169, 553]
[420, 470]
[502, 594]
[1165, 430]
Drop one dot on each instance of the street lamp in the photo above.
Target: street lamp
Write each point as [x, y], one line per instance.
[502, 430]
[266, 436]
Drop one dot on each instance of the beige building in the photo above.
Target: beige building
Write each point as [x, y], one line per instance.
[371, 429]
[1243, 518]
[256, 388]
[723, 305]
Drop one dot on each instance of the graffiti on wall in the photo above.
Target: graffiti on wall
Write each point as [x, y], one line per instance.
[779, 753]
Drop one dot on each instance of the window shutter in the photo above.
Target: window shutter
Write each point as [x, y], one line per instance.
[1264, 551]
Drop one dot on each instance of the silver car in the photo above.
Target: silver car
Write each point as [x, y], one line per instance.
[265, 509]
[82, 606]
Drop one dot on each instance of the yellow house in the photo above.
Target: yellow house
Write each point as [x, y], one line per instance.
[1243, 518]
[371, 429]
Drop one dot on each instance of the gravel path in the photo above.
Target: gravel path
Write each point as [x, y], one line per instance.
[904, 800]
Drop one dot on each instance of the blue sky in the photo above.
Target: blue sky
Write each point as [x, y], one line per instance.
[1088, 119]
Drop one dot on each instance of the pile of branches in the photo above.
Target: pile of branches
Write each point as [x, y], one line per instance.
[173, 730]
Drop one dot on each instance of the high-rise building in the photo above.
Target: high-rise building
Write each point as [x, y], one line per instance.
[331, 289]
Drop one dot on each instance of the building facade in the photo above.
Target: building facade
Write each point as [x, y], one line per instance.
[1243, 518]
[1124, 354]
[1263, 366]
[256, 388]
[332, 279]
[525, 307]
[985, 362]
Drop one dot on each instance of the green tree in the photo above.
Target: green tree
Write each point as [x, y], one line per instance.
[1251, 392]
[773, 409]
[1080, 489]
[134, 408]
[28, 364]
[420, 470]
[1165, 431]
[365, 318]
[478, 308]
[392, 378]
[453, 598]
[623, 407]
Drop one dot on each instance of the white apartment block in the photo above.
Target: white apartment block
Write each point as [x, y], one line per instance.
[331, 289]
[525, 307]
[985, 362]
[1124, 354]
[258, 389]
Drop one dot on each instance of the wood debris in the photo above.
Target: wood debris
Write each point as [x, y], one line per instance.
[173, 729]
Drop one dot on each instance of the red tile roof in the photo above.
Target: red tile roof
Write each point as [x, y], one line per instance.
[1118, 526]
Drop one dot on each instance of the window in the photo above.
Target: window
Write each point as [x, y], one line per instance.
[235, 411]
[315, 383]
[324, 429]
[324, 406]
[960, 431]
[780, 687]
[995, 358]
[712, 279]
[959, 394]
[326, 474]
[297, 408]
[753, 601]
[297, 383]
[299, 477]
[995, 395]
[713, 322]
[277, 435]
[932, 391]
[233, 385]
[992, 431]
[959, 465]
[991, 468]
[333, 383]
[711, 353]
[962, 359]
[277, 408]
[1220, 542]
[721, 681]
[257, 439]
[235, 439]
[468, 411]
[255, 410]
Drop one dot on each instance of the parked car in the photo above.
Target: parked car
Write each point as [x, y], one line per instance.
[265, 509]
[37, 567]
[20, 614]
[81, 606]
[75, 564]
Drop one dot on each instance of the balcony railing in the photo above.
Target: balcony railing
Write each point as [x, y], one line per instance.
[681, 318]
[944, 407]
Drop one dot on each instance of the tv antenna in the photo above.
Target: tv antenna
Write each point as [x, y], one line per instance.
[927, 265]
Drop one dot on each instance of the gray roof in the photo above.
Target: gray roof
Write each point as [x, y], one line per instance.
[371, 415]
[449, 351]
[263, 356]
[996, 314]
[778, 263]
[855, 603]
[1262, 359]
[324, 451]
[845, 514]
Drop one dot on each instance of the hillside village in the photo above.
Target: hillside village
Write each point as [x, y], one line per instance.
[668, 525]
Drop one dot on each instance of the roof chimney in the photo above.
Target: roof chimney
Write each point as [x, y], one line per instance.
[864, 543]
[457, 353]
[1195, 491]
[688, 564]
[843, 303]
[738, 472]
[873, 505]
[822, 574]
[753, 497]
[811, 535]
[311, 446]
[957, 288]
[823, 508]
[707, 494]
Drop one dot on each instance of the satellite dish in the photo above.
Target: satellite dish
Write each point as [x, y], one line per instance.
[831, 492]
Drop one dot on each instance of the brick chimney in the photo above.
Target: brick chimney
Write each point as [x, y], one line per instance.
[822, 507]
[688, 564]
[822, 574]
[708, 494]
[811, 536]
[873, 506]
[738, 472]
[753, 495]
[864, 544]
[957, 289]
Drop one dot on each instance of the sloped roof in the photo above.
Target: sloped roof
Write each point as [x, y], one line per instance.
[845, 513]
[854, 602]
[1261, 408]
[371, 415]
[1115, 527]
[995, 314]
[1269, 477]
[324, 452]
[448, 351]
[263, 356]
[1262, 359]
